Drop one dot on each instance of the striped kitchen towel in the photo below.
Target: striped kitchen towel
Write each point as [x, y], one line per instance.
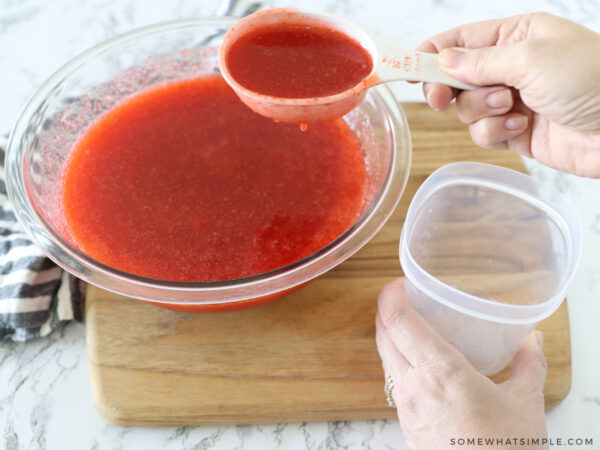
[36, 296]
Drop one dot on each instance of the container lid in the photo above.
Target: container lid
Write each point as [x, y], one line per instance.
[491, 242]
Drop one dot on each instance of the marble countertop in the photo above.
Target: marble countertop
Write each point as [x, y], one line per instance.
[45, 399]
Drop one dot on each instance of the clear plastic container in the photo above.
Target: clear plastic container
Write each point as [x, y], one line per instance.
[488, 252]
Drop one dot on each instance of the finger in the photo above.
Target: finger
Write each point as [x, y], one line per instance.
[411, 335]
[479, 34]
[394, 363]
[477, 104]
[491, 62]
[491, 132]
[438, 95]
[500, 64]
[522, 142]
[497, 146]
[529, 368]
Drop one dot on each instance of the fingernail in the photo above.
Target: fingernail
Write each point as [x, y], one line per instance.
[426, 91]
[451, 58]
[498, 99]
[516, 123]
[539, 337]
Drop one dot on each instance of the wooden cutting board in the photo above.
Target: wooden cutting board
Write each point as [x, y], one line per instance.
[308, 357]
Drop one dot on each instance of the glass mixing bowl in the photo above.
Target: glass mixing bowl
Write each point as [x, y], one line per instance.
[94, 82]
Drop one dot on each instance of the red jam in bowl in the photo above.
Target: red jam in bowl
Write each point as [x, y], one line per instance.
[297, 61]
[185, 183]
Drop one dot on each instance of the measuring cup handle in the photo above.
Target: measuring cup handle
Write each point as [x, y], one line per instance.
[394, 63]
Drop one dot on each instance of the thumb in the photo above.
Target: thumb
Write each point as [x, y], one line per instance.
[529, 366]
[483, 66]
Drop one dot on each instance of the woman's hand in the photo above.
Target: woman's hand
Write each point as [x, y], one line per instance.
[441, 397]
[540, 94]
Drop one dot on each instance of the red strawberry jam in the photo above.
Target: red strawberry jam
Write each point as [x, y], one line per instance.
[297, 61]
[185, 183]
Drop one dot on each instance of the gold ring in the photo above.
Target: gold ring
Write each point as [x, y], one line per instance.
[388, 388]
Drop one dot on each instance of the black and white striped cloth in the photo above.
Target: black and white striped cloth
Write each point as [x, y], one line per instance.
[36, 296]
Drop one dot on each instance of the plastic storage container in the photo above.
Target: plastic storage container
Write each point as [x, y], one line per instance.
[488, 252]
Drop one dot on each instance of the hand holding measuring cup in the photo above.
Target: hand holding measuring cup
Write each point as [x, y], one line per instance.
[298, 66]
[542, 92]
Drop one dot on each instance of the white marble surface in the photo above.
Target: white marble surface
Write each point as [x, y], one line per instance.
[45, 399]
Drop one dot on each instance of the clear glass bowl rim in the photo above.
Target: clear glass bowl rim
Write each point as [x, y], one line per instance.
[192, 293]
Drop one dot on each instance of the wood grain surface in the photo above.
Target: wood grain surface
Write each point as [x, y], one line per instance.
[308, 357]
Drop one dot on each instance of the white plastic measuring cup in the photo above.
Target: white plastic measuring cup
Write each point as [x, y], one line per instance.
[488, 252]
[390, 63]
